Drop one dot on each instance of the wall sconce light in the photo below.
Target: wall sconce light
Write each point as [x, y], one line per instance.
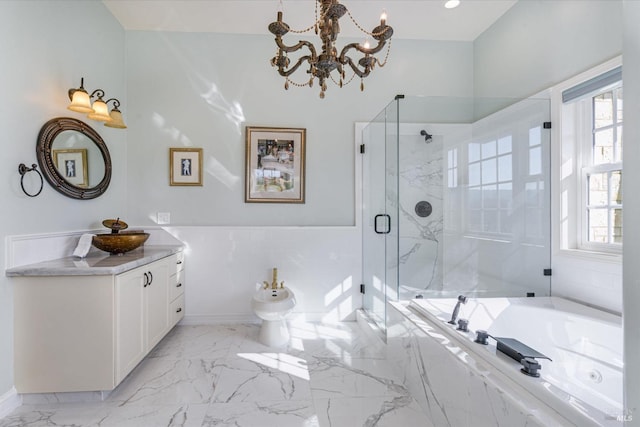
[81, 103]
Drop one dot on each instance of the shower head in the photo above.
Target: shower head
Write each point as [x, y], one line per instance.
[427, 136]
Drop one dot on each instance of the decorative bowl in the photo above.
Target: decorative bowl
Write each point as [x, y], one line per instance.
[119, 243]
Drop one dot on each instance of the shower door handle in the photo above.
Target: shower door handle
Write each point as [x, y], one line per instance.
[387, 223]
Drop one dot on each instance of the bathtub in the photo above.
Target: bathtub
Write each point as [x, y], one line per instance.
[581, 384]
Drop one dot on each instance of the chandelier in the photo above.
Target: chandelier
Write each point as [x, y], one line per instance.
[321, 66]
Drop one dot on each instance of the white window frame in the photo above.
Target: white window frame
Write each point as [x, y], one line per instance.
[586, 145]
[569, 213]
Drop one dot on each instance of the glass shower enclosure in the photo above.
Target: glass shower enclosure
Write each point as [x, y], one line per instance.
[455, 200]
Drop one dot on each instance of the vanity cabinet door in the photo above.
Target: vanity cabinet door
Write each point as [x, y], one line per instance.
[156, 301]
[142, 319]
[130, 321]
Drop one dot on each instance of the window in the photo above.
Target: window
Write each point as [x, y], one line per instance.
[592, 122]
[490, 185]
[603, 170]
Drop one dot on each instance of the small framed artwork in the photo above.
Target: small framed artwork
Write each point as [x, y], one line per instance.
[185, 166]
[274, 166]
[72, 165]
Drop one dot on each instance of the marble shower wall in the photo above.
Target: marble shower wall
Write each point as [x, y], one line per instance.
[488, 185]
[420, 176]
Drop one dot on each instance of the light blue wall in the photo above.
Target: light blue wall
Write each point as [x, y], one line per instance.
[201, 90]
[539, 43]
[46, 48]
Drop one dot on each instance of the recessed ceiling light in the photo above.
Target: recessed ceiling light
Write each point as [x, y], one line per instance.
[450, 4]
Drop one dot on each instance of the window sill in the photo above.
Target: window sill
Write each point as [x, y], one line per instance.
[609, 257]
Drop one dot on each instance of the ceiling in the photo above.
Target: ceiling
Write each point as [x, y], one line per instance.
[416, 19]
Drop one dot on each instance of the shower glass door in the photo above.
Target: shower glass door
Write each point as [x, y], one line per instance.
[483, 167]
[380, 213]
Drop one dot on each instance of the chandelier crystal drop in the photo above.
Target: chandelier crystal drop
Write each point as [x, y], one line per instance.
[322, 65]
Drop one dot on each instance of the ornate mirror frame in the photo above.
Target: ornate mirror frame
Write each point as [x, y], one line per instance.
[47, 136]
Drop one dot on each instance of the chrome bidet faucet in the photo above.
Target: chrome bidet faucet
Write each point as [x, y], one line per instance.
[461, 300]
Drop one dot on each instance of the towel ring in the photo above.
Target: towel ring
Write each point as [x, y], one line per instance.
[22, 170]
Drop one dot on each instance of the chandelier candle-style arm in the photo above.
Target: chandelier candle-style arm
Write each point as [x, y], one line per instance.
[283, 62]
[322, 65]
[367, 62]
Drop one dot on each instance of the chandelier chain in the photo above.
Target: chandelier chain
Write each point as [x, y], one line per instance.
[296, 84]
[343, 82]
[386, 55]
[361, 28]
[305, 30]
[312, 26]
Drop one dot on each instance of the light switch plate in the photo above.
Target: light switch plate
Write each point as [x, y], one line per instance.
[164, 218]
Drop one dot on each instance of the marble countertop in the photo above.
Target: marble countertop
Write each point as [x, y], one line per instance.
[97, 263]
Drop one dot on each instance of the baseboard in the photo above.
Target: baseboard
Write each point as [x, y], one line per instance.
[9, 402]
[217, 319]
[225, 319]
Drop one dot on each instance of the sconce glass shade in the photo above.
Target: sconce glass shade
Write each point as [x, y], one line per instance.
[116, 120]
[80, 101]
[100, 111]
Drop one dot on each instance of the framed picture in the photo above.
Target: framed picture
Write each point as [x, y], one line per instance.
[274, 167]
[72, 165]
[185, 166]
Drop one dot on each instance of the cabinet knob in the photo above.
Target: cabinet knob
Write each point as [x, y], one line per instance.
[179, 310]
[179, 262]
[179, 285]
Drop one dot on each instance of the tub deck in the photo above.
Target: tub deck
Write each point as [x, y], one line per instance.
[583, 382]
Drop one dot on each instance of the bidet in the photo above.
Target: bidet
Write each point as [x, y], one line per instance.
[272, 305]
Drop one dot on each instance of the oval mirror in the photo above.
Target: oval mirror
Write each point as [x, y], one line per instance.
[73, 158]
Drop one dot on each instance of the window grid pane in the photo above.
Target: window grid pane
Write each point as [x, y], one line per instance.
[605, 207]
[617, 225]
[603, 110]
[603, 184]
[598, 225]
[490, 175]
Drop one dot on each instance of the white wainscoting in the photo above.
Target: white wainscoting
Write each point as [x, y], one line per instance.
[225, 265]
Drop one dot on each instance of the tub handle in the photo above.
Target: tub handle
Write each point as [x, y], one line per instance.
[530, 366]
[482, 337]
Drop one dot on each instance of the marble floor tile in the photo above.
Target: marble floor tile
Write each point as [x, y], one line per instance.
[329, 375]
[252, 377]
[186, 415]
[76, 414]
[399, 411]
[261, 414]
[355, 378]
[200, 342]
[160, 381]
[341, 341]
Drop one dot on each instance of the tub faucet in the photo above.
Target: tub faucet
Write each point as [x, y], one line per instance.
[274, 282]
[461, 300]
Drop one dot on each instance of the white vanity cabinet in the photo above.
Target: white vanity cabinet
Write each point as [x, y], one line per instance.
[87, 332]
[176, 291]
